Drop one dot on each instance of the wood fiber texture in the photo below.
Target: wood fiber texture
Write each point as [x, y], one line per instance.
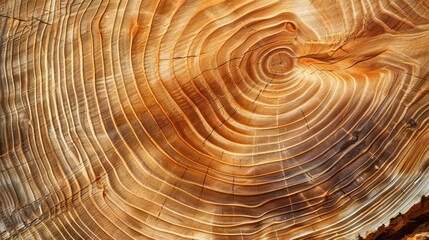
[211, 119]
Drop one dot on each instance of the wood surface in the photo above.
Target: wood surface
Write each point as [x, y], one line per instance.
[211, 119]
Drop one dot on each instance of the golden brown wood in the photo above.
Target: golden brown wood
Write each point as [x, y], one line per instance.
[211, 119]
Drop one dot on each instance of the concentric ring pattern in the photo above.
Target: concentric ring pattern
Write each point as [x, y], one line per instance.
[211, 119]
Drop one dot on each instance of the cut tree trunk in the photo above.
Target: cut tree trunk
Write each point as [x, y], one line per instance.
[208, 119]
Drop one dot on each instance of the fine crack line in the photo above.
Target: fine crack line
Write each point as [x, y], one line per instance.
[14, 18]
[305, 118]
[40, 20]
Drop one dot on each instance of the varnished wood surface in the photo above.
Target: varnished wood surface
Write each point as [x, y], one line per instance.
[211, 119]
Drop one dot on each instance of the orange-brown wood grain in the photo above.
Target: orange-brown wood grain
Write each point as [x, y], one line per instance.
[208, 119]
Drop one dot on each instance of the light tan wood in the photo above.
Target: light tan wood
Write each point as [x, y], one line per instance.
[211, 119]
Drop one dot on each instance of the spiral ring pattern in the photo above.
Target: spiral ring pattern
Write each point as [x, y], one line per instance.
[211, 119]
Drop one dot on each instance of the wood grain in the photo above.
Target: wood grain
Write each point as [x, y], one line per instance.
[211, 119]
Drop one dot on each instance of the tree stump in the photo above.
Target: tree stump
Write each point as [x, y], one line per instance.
[207, 119]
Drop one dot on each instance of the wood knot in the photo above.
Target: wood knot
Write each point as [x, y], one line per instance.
[291, 27]
[354, 138]
[100, 185]
[411, 123]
